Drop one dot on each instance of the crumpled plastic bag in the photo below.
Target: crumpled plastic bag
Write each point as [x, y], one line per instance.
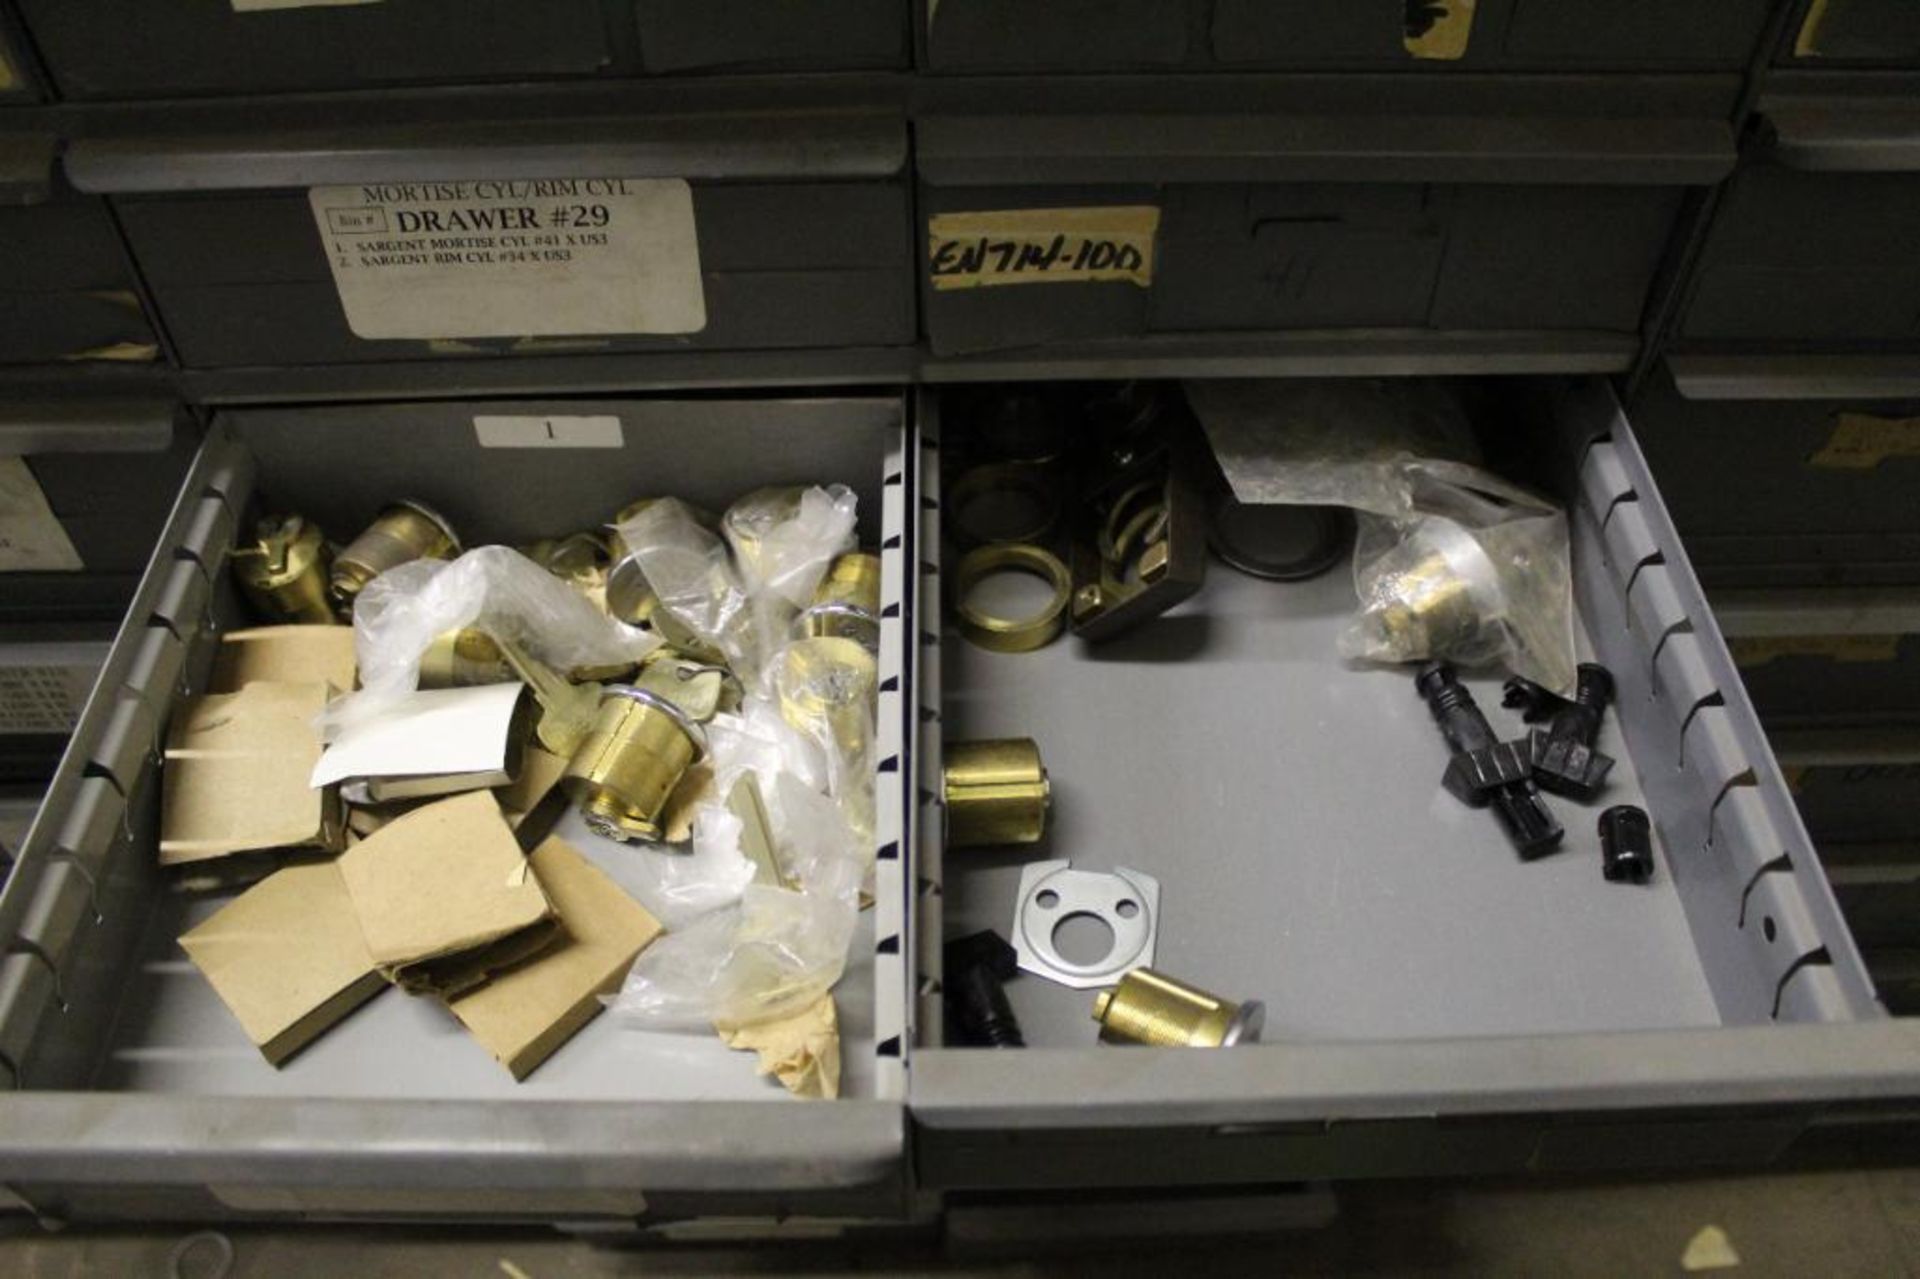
[1479, 574]
[784, 539]
[679, 886]
[401, 612]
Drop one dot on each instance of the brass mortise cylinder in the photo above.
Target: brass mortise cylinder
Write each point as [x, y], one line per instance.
[622, 774]
[846, 605]
[404, 532]
[629, 598]
[284, 572]
[1154, 1009]
[997, 793]
[464, 659]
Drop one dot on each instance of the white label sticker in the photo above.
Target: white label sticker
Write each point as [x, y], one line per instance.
[514, 258]
[31, 538]
[263, 6]
[548, 432]
[43, 699]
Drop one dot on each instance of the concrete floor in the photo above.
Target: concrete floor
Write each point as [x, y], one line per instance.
[1831, 1222]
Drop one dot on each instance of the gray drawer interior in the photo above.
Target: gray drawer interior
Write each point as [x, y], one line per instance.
[1290, 807]
[101, 1002]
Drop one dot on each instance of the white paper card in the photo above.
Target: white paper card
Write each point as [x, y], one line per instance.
[440, 731]
[31, 537]
[548, 432]
[511, 258]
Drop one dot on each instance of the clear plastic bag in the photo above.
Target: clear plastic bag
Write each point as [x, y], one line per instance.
[783, 539]
[401, 613]
[687, 566]
[759, 740]
[1346, 442]
[826, 688]
[680, 886]
[1479, 575]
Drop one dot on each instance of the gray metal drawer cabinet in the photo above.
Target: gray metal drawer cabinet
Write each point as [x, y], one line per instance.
[1433, 1004]
[724, 232]
[1826, 657]
[1812, 243]
[1813, 490]
[67, 291]
[1244, 35]
[171, 48]
[130, 1093]
[1852, 33]
[1362, 206]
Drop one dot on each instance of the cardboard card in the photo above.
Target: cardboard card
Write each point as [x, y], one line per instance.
[527, 1012]
[532, 802]
[435, 742]
[285, 654]
[445, 896]
[287, 957]
[236, 775]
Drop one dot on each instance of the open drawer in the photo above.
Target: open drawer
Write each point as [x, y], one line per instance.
[1433, 1003]
[134, 1093]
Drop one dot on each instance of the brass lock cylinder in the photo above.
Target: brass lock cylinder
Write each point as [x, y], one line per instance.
[996, 792]
[629, 598]
[284, 572]
[406, 531]
[846, 605]
[639, 748]
[1153, 1009]
[464, 658]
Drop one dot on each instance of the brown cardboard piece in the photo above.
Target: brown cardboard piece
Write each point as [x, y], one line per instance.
[287, 957]
[285, 654]
[445, 896]
[235, 778]
[532, 802]
[527, 1012]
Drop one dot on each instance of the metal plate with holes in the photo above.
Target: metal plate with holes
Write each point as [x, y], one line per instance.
[1052, 892]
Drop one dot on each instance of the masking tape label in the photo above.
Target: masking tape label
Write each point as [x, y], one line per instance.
[1438, 30]
[32, 539]
[1757, 650]
[43, 699]
[1861, 442]
[1042, 246]
[514, 258]
[548, 432]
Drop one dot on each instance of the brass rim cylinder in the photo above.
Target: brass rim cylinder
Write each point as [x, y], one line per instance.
[1154, 1009]
[847, 603]
[623, 773]
[404, 532]
[464, 659]
[997, 793]
[284, 573]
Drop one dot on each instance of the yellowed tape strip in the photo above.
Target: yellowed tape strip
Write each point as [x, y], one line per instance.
[8, 78]
[1861, 442]
[1807, 43]
[1757, 650]
[1042, 246]
[1449, 27]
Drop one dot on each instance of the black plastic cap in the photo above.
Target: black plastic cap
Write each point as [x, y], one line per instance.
[1626, 845]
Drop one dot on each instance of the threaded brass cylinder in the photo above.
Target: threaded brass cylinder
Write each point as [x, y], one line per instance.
[284, 572]
[404, 532]
[846, 605]
[997, 793]
[640, 747]
[1162, 1012]
[463, 659]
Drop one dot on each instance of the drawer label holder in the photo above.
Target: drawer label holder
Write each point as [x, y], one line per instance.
[1861, 441]
[1042, 246]
[513, 258]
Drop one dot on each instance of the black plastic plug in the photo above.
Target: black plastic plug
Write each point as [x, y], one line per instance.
[1626, 844]
[1485, 771]
[976, 965]
[1564, 760]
